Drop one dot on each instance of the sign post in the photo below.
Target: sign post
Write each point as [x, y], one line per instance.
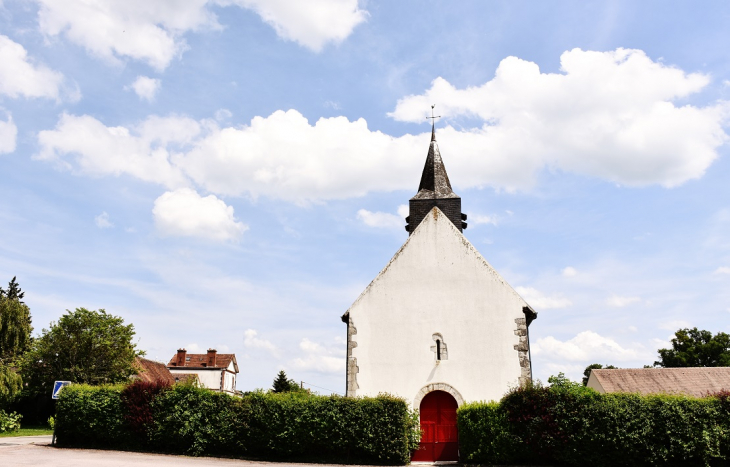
[57, 386]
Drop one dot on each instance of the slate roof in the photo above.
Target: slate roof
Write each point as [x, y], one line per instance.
[152, 371]
[200, 360]
[696, 382]
[434, 179]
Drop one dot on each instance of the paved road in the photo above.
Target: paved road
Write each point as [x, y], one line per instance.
[23, 451]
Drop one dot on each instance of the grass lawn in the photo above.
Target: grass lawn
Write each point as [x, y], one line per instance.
[29, 431]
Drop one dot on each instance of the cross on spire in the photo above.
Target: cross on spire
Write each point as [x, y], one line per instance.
[433, 123]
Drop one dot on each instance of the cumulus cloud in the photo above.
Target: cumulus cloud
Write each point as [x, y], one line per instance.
[86, 145]
[152, 31]
[383, 220]
[184, 213]
[580, 120]
[620, 302]
[319, 358]
[313, 23]
[8, 135]
[145, 87]
[722, 270]
[674, 325]
[102, 221]
[608, 114]
[586, 346]
[137, 29]
[540, 301]
[252, 341]
[569, 272]
[20, 76]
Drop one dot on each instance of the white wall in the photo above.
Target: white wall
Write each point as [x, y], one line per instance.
[437, 283]
[209, 378]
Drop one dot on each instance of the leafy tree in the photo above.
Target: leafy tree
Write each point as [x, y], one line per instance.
[15, 328]
[13, 292]
[284, 384]
[594, 366]
[693, 347]
[91, 347]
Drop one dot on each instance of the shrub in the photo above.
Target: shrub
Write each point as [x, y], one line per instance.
[485, 436]
[92, 416]
[137, 398]
[190, 420]
[567, 424]
[9, 421]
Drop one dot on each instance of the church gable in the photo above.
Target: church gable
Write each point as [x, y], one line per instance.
[437, 284]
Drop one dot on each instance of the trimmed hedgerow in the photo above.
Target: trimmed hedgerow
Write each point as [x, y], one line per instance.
[568, 424]
[195, 421]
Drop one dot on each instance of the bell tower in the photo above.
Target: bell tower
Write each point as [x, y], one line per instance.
[434, 191]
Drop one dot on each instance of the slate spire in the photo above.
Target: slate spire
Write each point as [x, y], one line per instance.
[434, 191]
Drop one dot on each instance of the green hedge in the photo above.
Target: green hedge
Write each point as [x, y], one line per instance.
[195, 421]
[573, 425]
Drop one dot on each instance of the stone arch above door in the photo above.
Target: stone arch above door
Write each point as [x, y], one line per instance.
[437, 387]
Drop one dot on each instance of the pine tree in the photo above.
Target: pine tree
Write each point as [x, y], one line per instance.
[14, 292]
[281, 383]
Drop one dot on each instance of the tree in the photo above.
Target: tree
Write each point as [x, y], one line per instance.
[92, 347]
[693, 347]
[284, 384]
[15, 330]
[594, 366]
[13, 291]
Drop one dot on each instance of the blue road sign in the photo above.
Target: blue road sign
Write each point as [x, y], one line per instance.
[57, 386]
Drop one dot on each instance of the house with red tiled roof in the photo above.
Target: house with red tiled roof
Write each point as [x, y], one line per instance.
[214, 371]
[152, 372]
[691, 381]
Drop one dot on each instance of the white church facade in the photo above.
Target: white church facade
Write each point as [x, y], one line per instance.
[438, 326]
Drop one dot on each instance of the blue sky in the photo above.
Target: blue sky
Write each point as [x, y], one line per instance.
[232, 173]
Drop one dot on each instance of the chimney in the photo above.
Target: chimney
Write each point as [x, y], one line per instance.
[180, 361]
[211, 357]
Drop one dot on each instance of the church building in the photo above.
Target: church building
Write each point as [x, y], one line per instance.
[438, 326]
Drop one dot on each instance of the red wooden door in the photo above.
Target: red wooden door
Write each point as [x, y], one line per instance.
[439, 441]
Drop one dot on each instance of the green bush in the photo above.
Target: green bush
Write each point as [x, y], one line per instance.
[196, 421]
[91, 416]
[9, 421]
[485, 436]
[567, 424]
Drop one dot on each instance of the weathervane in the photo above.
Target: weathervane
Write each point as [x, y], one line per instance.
[432, 117]
[433, 123]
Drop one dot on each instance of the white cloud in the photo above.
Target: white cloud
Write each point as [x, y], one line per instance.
[185, 213]
[8, 135]
[722, 270]
[608, 114]
[481, 219]
[313, 23]
[620, 302]
[145, 151]
[674, 325]
[223, 114]
[381, 220]
[540, 301]
[403, 211]
[252, 341]
[19, 76]
[102, 221]
[139, 29]
[569, 272]
[633, 329]
[152, 31]
[581, 121]
[146, 88]
[319, 358]
[586, 346]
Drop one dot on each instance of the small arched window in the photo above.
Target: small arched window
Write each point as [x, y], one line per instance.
[439, 350]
